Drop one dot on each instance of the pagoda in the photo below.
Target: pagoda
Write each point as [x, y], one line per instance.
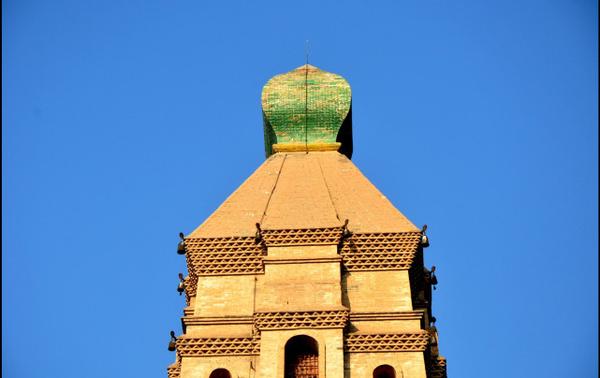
[307, 270]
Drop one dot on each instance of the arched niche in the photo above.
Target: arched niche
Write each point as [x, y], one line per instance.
[384, 371]
[302, 357]
[220, 373]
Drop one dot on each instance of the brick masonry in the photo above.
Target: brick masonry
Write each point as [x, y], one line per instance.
[249, 291]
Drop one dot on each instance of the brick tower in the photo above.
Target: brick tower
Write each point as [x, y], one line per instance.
[307, 270]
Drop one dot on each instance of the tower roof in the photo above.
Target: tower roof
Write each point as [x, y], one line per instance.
[307, 109]
[308, 180]
[299, 190]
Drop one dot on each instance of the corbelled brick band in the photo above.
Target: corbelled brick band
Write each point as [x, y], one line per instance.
[402, 342]
[311, 236]
[191, 284]
[173, 370]
[221, 320]
[243, 255]
[380, 251]
[228, 255]
[198, 347]
[294, 320]
[381, 316]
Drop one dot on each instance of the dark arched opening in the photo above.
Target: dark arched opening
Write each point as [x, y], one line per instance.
[220, 373]
[384, 371]
[302, 357]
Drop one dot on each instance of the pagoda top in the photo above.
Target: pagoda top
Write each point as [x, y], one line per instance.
[307, 109]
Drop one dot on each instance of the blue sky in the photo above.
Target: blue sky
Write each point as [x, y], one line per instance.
[125, 123]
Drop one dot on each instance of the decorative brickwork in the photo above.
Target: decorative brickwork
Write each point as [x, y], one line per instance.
[380, 251]
[243, 255]
[312, 236]
[228, 255]
[174, 369]
[191, 284]
[293, 320]
[198, 347]
[402, 342]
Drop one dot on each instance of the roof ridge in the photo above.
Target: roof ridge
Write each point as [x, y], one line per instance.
[337, 215]
[223, 204]
[273, 189]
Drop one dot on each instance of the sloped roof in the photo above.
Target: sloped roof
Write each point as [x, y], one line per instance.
[299, 190]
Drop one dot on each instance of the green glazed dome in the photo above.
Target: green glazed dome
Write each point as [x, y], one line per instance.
[307, 109]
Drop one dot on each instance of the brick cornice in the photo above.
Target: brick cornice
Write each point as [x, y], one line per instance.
[398, 342]
[188, 311]
[224, 256]
[243, 255]
[303, 260]
[174, 370]
[300, 319]
[380, 251]
[233, 346]
[377, 316]
[306, 236]
[216, 320]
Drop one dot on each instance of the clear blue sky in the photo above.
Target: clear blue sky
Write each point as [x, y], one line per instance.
[127, 122]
